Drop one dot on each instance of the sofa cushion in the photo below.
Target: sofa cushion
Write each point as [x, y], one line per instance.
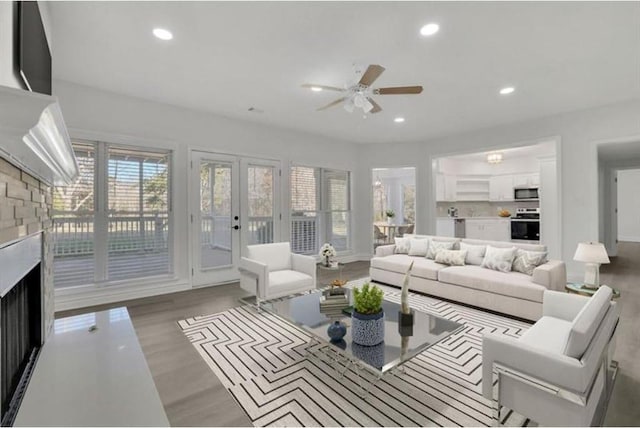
[586, 323]
[500, 259]
[276, 256]
[549, 334]
[475, 253]
[435, 246]
[288, 281]
[451, 257]
[505, 244]
[402, 245]
[399, 263]
[418, 247]
[527, 261]
[514, 284]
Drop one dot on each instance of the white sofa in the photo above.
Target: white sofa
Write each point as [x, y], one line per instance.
[512, 293]
[559, 372]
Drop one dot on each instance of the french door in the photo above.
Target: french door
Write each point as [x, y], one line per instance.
[237, 203]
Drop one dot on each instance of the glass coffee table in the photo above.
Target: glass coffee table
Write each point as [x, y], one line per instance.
[399, 346]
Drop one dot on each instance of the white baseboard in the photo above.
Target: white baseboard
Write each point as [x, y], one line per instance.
[105, 295]
[627, 238]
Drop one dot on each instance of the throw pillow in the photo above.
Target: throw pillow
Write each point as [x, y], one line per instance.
[451, 257]
[475, 253]
[500, 259]
[434, 246]
[402, 245]
[527, 261]
[418, 247]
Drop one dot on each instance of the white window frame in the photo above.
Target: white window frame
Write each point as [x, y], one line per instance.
[322, 210]
[101, 217]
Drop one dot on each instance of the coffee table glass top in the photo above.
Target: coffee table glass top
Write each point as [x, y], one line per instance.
[304, 312]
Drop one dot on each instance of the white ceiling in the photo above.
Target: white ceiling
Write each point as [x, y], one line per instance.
[226, 57]
[532, 151]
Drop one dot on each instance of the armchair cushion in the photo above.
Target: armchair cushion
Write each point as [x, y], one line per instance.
[559, 304]
[276, 256]
[548, 333]
[285, 282]
[587, 321]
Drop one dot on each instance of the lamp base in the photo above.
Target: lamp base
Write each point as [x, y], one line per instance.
[592, 276]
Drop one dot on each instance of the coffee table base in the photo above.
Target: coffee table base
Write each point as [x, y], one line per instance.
[341, 363]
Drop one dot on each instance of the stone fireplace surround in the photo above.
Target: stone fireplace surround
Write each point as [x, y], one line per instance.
[25, 206]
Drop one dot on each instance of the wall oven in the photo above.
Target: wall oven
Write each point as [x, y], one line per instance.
[526, 194]
[525, 225]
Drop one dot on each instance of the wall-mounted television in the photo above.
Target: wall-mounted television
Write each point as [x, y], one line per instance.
[34, 57]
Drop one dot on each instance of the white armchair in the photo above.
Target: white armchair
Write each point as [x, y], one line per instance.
[271, 270]
[559, 371]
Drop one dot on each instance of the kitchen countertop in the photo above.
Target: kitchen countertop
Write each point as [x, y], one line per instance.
[478, 217]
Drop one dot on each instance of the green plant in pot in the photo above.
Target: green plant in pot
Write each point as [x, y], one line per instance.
[390, 215]
[367, 324]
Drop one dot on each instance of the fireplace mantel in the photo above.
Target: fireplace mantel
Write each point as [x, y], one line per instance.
[18, 258]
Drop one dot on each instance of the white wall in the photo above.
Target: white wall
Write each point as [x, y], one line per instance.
[520, 165]
[629, 205]
[94, 114]
[579, 132]
[8, 39]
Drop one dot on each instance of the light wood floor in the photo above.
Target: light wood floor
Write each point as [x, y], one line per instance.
[193, 396]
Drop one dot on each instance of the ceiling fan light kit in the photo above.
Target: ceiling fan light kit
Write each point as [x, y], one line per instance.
[360, 94]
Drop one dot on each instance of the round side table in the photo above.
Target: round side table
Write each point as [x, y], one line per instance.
[335, 267]
[579, 288]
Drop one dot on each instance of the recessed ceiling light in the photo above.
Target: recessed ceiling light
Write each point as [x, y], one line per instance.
[162, 34]
[507, 90]
[316, 89]
[398, 119]
[429, 29]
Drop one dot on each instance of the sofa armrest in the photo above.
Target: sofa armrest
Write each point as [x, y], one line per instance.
[304, 264]
[385, 250]
[562, 305]
[555, 369]
[552, 274]
[255, 270]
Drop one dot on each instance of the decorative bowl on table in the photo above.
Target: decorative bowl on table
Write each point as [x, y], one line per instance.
[338, 282]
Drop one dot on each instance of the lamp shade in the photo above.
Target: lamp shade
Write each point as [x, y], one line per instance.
[591, 252]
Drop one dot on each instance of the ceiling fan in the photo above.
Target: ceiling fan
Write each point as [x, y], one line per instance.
[360, 94]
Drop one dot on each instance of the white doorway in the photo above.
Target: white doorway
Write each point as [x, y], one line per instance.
[628, 201]
[236, 203]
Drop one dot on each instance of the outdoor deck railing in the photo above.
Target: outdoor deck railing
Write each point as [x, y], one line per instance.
[74, 234]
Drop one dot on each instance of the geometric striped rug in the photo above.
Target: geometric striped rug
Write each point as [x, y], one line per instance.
[261, 361]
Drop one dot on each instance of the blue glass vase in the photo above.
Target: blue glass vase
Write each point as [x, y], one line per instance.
[336, 331]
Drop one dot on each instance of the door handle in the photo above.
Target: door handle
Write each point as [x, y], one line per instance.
[236, 227]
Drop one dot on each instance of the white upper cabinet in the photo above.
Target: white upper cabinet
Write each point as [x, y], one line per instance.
[501, 188]
[446, 188]
[526, 180]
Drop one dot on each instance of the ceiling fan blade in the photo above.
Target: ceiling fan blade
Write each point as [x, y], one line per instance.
[376, 107]
[335, 103]
[399, 90]
[373, 72]
[323, 87]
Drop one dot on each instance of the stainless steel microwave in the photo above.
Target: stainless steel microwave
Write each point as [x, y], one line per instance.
[526, 194]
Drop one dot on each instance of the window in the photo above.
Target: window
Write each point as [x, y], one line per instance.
[320, 209]
[409, 203]
[73, 223]
[117, 232]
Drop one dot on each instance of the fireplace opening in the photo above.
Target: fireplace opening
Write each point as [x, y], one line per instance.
[20, 341]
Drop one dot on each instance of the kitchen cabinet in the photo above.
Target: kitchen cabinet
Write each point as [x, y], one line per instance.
[501, 188]
[446, 188]
[445, 226]
[526, 180]
[491, 229]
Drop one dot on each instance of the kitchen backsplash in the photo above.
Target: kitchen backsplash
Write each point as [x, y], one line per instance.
[483, 209]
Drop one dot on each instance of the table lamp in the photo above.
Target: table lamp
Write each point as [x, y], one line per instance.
[593, 254]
